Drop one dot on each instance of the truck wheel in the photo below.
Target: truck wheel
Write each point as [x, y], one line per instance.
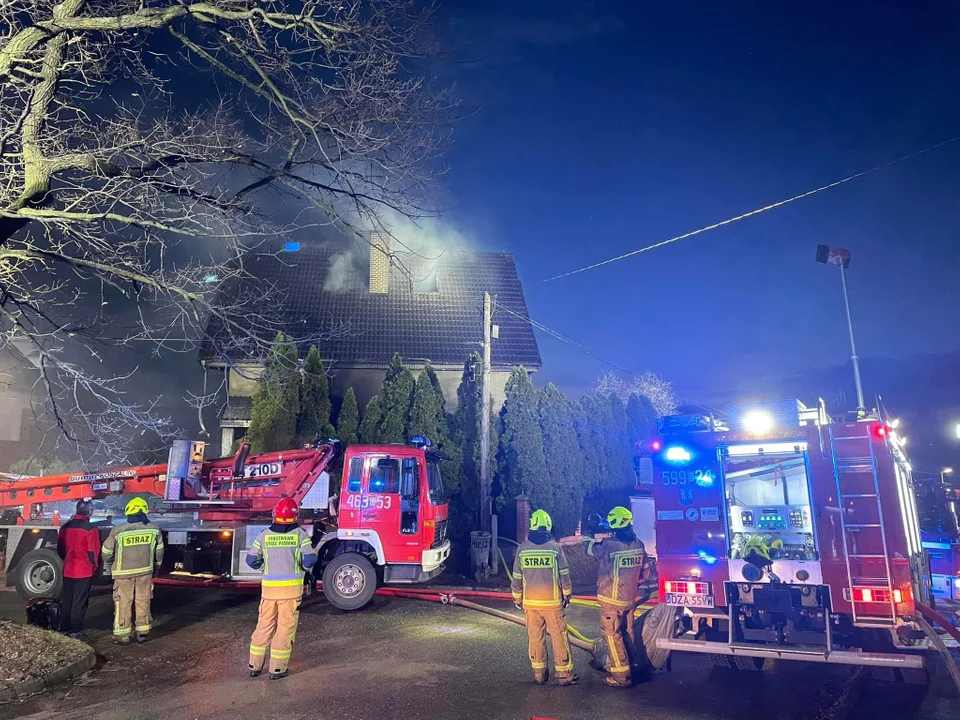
[39, 574]
[349, 581]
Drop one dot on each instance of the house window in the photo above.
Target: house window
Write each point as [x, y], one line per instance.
[427, 284]
[11, 414]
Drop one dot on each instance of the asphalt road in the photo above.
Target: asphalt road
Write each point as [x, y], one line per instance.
[411, 659]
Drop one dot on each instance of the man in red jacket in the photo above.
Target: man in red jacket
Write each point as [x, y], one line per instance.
[79, 545]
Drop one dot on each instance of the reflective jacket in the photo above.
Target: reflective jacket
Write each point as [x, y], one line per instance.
[284, 552]
[133, 548]
[78, 544]
[620, 563]
[541, 577]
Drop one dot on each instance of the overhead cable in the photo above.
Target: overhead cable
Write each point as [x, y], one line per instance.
[744, 216]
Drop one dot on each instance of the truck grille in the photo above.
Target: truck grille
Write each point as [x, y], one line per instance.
[439, 534]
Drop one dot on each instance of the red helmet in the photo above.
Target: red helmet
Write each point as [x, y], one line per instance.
[286, 511]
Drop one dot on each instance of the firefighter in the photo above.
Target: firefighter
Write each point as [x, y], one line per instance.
[284, 552]
[131, 554]
[541, 588]
[78, 545]
[620, 560]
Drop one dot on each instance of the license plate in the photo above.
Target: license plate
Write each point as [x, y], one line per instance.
[684, 600]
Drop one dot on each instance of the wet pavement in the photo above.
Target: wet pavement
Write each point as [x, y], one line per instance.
[411, 659]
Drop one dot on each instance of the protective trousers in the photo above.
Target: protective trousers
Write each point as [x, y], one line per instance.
[131, 596]
[539, 622]
[616, 627]
[276, 628]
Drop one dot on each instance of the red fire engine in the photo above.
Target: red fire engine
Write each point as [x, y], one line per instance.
[391, 526]
[784, 534]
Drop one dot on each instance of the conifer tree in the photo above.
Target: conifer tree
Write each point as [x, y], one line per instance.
[563, 462]
[276, 405]
[348, 421]
[314, 418]
[522, 443]
[369, 426]
[395, 400]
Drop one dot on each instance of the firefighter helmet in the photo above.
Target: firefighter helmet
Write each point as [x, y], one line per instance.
[619, 518]
[541, 520]
[137, 505]
[756, 552]
[286, 511]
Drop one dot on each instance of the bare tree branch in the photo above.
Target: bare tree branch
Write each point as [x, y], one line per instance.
[127, 204]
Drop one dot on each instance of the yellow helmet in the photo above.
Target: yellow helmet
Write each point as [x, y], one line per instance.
[541, 520]
[619, 518]
[137, 505]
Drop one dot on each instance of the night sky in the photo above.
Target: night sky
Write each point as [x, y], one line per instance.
[593, 129]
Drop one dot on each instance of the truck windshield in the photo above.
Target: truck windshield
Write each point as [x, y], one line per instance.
[768, 500]
[435, 482]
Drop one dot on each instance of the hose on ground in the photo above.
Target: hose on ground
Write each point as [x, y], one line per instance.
[575, 641]
[503, 563]
[937, 641]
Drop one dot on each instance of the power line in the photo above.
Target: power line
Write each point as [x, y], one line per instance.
[563, 338]
[744, 216]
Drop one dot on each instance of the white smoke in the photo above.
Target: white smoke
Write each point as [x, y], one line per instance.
[339, 272]
[426, 239]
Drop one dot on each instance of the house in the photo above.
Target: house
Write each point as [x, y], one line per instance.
[360, 309]
[21, 433]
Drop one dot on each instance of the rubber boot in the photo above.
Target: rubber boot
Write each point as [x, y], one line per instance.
[569, 680]
[541, 678]
[121, 639]
[611, 681]
[279, 675]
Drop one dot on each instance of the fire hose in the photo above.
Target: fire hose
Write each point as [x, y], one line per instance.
[929, 614]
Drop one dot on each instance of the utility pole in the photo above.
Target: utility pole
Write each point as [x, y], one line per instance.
[485, 508]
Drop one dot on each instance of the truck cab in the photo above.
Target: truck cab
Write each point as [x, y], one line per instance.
[391, 523]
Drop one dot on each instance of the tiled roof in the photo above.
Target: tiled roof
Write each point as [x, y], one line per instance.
[239, 410]
[324, 287]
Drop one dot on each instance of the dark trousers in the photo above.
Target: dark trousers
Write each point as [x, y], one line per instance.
[76, 597]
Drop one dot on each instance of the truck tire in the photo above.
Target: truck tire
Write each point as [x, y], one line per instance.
[39, 574]
[349, 581]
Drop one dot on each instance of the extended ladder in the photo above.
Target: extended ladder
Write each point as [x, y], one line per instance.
[861, 520]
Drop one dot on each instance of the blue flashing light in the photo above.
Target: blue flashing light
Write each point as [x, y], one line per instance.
[291, 247]
[707, 557]
[677, 454]
[420, 441]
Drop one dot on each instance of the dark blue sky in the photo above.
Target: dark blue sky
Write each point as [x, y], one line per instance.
[597, 128]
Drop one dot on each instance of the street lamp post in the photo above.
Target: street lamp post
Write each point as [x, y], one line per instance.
[841, 258]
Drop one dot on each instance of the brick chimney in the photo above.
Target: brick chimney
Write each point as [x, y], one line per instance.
[379, 262]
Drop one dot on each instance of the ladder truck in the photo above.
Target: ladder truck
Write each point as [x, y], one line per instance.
[391, 527]
[784, 534]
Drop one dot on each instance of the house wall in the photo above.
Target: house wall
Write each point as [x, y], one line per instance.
[19, 434]
[242, 381]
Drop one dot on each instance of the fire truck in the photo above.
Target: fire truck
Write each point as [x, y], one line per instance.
[782, 533]
[937, 501]
[391, 526]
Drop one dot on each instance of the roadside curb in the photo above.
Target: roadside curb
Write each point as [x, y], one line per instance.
[68, 672]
